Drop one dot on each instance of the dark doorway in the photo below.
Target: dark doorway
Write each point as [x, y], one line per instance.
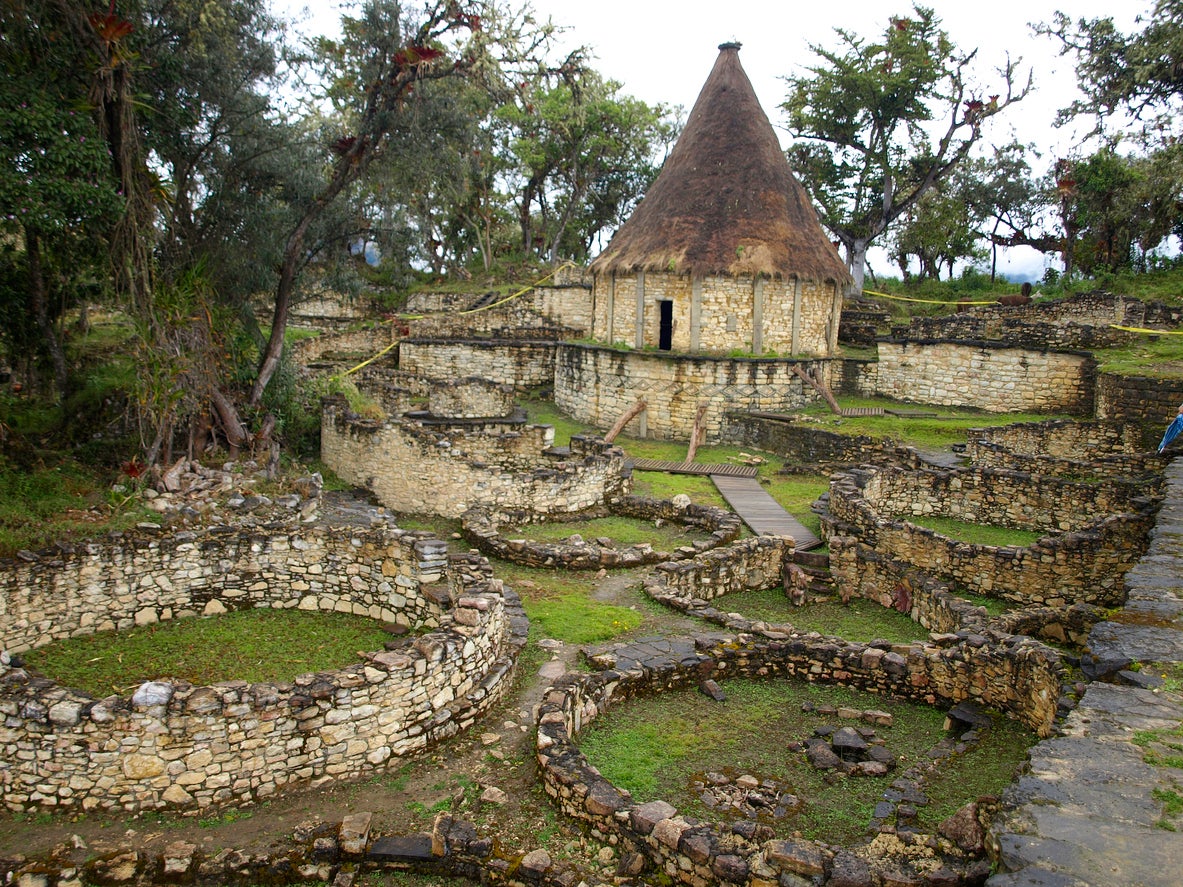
[665, 330]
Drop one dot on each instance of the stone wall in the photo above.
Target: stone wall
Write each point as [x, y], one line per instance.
[993, 497]
[522, 364]
[447, 470]
[174, 745]
[1013, 674]
[359, 343]
[559, 311]
[482, 528]
[1148, 403]
[752, 564]
[1084, 565]
[805, 442]
[987, 376]
[597, 385]
[718, 314]
[470, 398]
[1099, 450]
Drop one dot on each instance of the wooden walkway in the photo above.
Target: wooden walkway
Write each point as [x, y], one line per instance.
[712, 468]
[761, 512]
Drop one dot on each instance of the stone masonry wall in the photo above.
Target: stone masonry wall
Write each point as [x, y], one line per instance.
[993, 497]
[598, 385]
[802, 442]
[482, 528]
[1102, 449]
[446, 471]
[1150, 404]
[1015, 675]
[986, 376]
[173, 745]
[354, 343]
[520, 364]
[1085, 565]
[727, 315]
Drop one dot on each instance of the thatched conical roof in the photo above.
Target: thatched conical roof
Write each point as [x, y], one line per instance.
[725, 201]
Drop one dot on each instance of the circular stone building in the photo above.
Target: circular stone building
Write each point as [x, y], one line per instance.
[725, 252]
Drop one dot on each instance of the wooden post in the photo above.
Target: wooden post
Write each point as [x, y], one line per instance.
[632, 412]
[818, 387]
[696, 433]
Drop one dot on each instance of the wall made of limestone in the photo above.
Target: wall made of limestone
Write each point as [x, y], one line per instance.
[353, 343]
[1149, 404]
[447, 471]
[808, 444]
[174, 745]
[597, 385]
[482, 528]
[520, 364]
[1016, 675]
[1084, 565]
[1095, 450]
[986, 376]
[747, 565]
[993, 497]
[727, 315]
[470, 398]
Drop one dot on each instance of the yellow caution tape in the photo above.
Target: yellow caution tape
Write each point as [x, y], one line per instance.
[927, 301]
[1138, 329]
[508, 298]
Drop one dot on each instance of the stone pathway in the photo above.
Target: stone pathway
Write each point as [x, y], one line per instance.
[1087, 811]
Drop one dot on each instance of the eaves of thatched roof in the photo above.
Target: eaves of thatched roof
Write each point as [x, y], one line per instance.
[726, 201]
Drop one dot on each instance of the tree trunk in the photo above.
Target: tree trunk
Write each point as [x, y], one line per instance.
[39, 299]
[856, 259]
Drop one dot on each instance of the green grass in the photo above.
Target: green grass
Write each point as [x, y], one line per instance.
[985, 771]
[621, 530]
[252, 645]
[860, 620]
[975, 534]
[574, 619]
[1156, 356]
[948, 427]
[656, 745]
[61, 501]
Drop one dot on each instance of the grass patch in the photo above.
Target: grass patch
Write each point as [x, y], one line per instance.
[253, 645]
[1156, 356]
[574, 619]
[976, 534]
[657, 746]
[988, 768]
[994, 606]
[62, 501]
[860, 620]
[947, 427]
[621, 530]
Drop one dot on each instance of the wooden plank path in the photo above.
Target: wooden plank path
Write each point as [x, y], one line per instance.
[711, 468]
[761, 512]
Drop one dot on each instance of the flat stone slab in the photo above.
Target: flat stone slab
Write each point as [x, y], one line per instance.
[1085, 812]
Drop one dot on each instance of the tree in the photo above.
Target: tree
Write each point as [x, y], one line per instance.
[584, 155]
[942, 228]
[1136, 74]
[384, 58]
[864, 115]
[56, 189]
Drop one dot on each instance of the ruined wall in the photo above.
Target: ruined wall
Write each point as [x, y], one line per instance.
[482, 528]
[447, 470]
[1097, 450]
[748, 565]
[597, 385]
[803, 442]
[1148, 403]
[1084, 565]
[349, 343]
[986, 376]
[173, 745]
[522, 364]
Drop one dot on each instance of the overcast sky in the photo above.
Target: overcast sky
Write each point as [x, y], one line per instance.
[663, 50]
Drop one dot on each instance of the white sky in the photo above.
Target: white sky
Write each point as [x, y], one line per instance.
[663, 50]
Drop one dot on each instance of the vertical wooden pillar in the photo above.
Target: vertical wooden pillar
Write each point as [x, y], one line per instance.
[639, 336]
[611, 306]
[758, 316]
[695, 313]
[795, 348]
